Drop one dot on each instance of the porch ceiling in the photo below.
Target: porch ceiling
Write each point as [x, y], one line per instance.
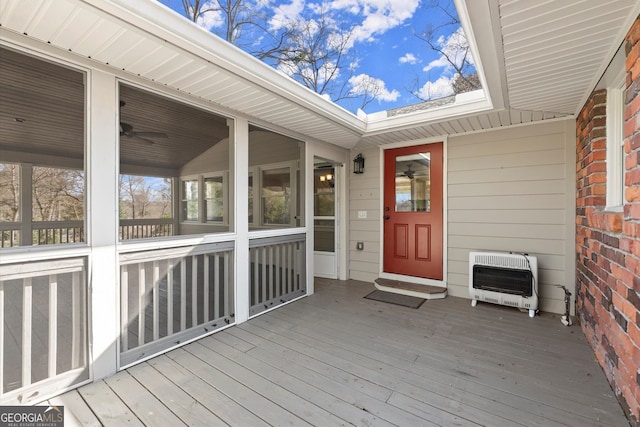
[556, 51]
[537, 61]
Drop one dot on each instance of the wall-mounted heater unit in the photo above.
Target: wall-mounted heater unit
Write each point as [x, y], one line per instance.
[504, 278]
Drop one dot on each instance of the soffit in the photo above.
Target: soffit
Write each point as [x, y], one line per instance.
[555, 51]
[145, 39]
[540, 59]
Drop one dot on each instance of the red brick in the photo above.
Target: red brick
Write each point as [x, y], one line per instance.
[632, 177]
[625, 307]
[632, 194]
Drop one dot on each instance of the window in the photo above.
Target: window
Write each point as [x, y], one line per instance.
[190, 200]
[413, 183]
[214, 198]
[146, 207]
[276, 199]
[42, 174]
[276, 193]
[615, 147]
[177, 157]
[52, 214]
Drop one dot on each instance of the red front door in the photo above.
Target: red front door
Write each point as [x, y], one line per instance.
[413, 211]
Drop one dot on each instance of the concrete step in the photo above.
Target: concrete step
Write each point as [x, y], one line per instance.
[411, 289]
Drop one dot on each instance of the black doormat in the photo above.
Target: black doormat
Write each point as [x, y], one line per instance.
[397, 299]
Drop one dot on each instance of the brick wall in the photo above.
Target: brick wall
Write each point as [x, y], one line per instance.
[608, 243]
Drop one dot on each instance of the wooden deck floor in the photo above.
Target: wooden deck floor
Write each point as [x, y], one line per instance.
[336, 358]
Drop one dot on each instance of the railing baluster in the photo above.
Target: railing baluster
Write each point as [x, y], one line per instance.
[2, 312]
[141, 302]
[256, 275]
[124, 309]
[183, 294]
[194, 290]
[53, 325]
[169, 297]
[156, 300]
[271, 273]
[77, 321]
[216, 285]
[264, 275]
[292, 263]
[206, 288]
[278, 269]
[27, 304]
[227, 285]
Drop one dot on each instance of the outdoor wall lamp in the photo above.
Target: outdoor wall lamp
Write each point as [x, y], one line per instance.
[358, 164]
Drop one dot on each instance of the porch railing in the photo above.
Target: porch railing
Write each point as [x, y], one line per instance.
[43, 328]
[60, 232]
[171, 296]
[145, 228]
[277, 271]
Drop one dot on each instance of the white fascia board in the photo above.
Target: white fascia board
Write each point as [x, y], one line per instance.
[474, 104]
[481, 24]
[158, 20]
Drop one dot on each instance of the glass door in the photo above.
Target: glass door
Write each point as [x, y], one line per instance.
[324, 221]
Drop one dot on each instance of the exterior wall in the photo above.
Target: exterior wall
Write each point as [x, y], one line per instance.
[508, 190]
[607, 243]
[512, 190]
[365, 195]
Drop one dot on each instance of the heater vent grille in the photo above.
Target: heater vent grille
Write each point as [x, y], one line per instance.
[504, 278]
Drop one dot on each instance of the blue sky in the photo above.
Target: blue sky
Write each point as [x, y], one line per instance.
[382, 47]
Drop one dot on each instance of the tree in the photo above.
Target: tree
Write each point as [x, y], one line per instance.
[9, 192]
[455, 57]
[58, 194]
[317, 52]
[144, 197]
[226, 18]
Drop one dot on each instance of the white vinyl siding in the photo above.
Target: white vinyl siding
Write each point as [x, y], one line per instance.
[508, 191]
[365, 195]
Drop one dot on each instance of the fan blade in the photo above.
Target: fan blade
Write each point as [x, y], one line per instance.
[143, 139]
[159, 135]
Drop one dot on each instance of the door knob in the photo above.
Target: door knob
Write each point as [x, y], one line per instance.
[386, 217]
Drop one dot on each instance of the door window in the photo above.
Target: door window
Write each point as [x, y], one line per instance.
[413, 183]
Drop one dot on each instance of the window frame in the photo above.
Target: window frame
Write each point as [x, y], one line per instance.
[225, 197]
[183, 200]
[615, 144]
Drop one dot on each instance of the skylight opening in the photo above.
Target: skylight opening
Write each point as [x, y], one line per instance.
[361, 54]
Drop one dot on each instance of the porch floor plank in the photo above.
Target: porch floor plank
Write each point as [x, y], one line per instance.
[107, 406]
[149, 410]
[335, 358]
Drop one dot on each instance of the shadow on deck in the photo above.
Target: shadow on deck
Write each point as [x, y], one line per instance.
[336, 358]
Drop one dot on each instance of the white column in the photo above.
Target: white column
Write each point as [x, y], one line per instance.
[307, 194]
[240, 142]
[102, 222]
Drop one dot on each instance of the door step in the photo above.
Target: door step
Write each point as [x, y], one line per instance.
[411, 289]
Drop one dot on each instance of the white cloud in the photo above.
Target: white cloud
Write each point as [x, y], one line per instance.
[211, 19]
[408, 58]
[363, 84]
[379, 15]
[286, 13]
[438, 89]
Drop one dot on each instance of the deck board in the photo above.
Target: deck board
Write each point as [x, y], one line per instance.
[335, 358]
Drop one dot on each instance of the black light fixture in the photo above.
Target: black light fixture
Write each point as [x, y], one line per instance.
[358, 164]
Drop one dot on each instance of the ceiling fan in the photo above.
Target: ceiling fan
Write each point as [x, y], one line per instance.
[126, 130]
[409, 173]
